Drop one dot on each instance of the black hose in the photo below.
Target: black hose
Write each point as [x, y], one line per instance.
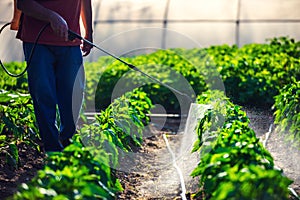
[31, 53]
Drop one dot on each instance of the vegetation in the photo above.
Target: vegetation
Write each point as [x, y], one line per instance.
[14, 84]
[287, 111]
[17, 125]
[165, 65]
[233, 163]
[252, 74]
[84, 170]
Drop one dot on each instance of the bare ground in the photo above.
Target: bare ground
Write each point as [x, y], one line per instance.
[154, 175]
[285, 155]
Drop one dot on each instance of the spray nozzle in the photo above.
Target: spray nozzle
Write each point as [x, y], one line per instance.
[72, 35]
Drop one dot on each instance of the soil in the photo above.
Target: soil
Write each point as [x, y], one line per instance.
[285, 153]
[30, 161]
[154, 175]
[151, 174]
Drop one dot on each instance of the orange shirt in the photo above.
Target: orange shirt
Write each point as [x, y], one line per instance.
[68, 9]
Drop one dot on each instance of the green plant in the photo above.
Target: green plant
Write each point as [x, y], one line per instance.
[233, 163]
[11, 83]
[165, 65]
[287, 110]
[75, 173]
[252, 182]
[17, 125]
[85, 169]
[125, 118]
[252, 74]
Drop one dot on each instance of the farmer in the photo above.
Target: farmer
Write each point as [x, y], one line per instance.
[55, 74]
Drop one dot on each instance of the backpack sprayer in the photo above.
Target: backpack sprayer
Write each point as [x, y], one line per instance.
[15, 23]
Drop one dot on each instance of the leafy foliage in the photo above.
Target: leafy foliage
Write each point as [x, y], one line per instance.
[74, 173]
[287, 110]
[254, 73]
[165, 65]
[11, 83]
[84, 169]
[125, 118]
[233, 163]
[17, 124]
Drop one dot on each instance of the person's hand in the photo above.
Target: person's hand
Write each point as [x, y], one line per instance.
[85, 47]
[59, 26]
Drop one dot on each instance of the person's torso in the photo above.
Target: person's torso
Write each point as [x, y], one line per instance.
[68, 9]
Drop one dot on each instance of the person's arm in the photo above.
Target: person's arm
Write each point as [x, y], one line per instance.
[34, 9]
[86, 16]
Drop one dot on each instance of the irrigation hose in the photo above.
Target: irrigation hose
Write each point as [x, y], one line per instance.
[30, 55]
[294, 193]
[267, 135]
[182, 184]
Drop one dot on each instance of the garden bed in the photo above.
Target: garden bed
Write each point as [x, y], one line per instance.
[144, 185]
[140, 185]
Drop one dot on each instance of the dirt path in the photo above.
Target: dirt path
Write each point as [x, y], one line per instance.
[154, 176]
[285, 156]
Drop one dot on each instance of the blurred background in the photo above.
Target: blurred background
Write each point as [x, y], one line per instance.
[120, 25]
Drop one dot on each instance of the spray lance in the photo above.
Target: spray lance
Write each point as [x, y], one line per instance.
[73, 35]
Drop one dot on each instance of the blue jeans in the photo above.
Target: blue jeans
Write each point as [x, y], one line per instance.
[56, 81]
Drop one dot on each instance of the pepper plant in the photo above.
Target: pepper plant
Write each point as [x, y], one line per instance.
[287, 111]
[233, 163]
[85, 169]
[17, 125]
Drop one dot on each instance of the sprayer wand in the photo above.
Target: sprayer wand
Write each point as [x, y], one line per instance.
[73, 35]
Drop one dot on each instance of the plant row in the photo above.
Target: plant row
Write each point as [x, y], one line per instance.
[251, 75]
[17, 125]
[233, 163]
[287, 111]
[113, 78]
[86, 168]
